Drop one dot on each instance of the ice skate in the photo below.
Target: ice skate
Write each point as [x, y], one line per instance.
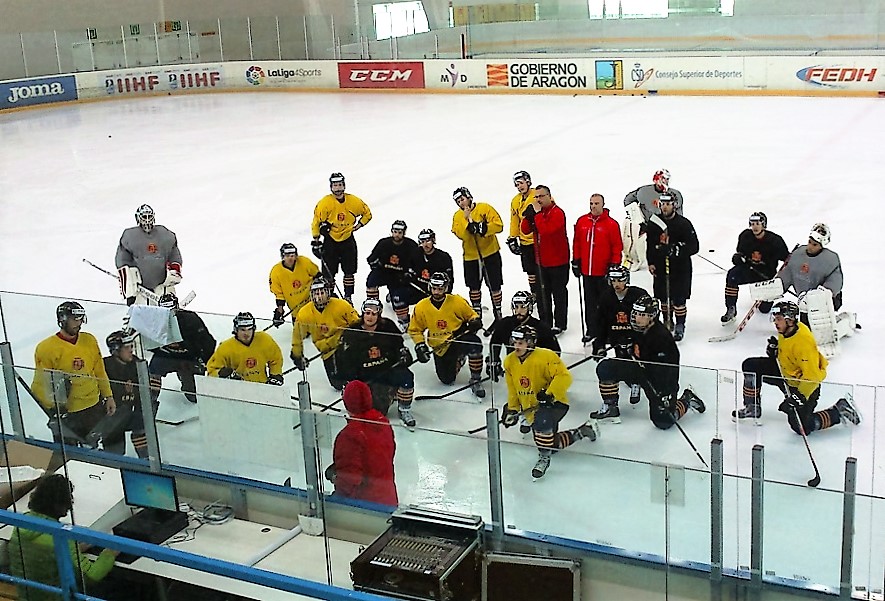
[405, 414]
[693, 400]
[678, 332]
[590, 430]
[635, 391]
[476, 387]
[524, 426]
[847, 411]
[730, 315]
[608, 413]
[753, 412]
[541, 467]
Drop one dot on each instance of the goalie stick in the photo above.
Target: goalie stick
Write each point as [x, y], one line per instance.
[147, 292]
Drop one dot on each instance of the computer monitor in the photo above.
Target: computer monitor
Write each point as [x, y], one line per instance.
[151, 491]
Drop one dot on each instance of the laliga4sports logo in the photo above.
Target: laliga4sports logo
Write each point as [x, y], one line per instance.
[255, 75]
[835, 76]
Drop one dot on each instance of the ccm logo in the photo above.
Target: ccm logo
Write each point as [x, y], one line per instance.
[381, 75]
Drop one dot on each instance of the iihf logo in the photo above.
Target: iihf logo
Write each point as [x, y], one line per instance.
[255, 75]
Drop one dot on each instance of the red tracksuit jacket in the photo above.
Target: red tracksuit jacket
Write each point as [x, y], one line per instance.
[597, 243]
[551, 236]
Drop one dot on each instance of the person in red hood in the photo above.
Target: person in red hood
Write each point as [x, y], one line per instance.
[546, 221]
[362, 466]
[597, 245]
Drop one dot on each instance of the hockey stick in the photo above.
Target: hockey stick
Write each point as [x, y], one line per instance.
[581, 306]
[816, 479]
[536, 246]
[668, 321]
[307, 362]
[483, 278]
[712, 263]
[285, 315]
[147, 292]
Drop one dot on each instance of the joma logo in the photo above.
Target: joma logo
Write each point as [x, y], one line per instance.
[35, 91]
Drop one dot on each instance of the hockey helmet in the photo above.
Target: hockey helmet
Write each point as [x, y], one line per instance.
[461, 192]
[288, 249]
[144, 217]
[68, 310]
[668, 198]
[618, 273]
[645, 305]
[168, 300]
[525, 332]
[760, 217]
[820, 233]
[244, 319]
[319, 291]
[336, 178]
[372, 304]
[439, 279]
[524, 175]
[398, 226]
[786, 309]
[426, 234]
[523, 299]
[119, 339]
[661, 179]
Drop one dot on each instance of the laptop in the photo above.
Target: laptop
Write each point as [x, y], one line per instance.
[157, 498]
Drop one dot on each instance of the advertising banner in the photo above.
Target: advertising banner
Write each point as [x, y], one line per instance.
[834, 73]
[378, 75]
[43, 90]
[281, 74]
[690, 73]
[550, 74]
[455, 75]
[152, 80]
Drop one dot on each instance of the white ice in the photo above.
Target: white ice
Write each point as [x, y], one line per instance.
[237, 175]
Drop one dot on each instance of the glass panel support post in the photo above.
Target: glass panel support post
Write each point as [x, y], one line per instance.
[756, 489]
[9, 376]
[147, 409]
[309, 443]
[848, 517]
[496, 495]
[716, 516]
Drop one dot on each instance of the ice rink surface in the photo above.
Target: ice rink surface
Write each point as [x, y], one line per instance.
[237, 175]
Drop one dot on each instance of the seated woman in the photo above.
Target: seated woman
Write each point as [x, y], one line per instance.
[32, 554]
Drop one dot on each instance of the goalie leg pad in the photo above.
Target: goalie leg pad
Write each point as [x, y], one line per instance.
[634, 241]
[130, 278]
[767, 291]
[822, 320]
[846, 323]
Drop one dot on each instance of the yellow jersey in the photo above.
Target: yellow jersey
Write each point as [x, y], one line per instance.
[802, 364]
[83, 367]
[341, 215]
[254, 362]
[517, 206]
[439, 323]
[488, 244]
[293, 285]
[324, 327]
[541, 369]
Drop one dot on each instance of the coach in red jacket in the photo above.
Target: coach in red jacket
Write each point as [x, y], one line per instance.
[597, 245]
[546, 221]
[362, 465]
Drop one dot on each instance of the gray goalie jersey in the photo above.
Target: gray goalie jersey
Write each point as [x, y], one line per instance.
[805, 272]
[647, 197]
[149, 252]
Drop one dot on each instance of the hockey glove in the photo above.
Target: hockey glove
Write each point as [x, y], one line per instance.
[325, 228]
[299, 362]
[482, 228]
[173, 274]
[316, 247]
[275, 379]
[545, 398]
[738, 259]
[510, 417]
[229, 373]
[374, 263]
[405, 357]
[422, 351]
[771, 347]
[473, 227]
[597, 350]
[513, 245]
[530, 213]
[278, 320]
[576, 268]
[792, 402]
[494, 370]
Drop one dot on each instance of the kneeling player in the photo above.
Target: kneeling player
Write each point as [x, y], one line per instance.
[659, 377]
[372, 351]
[796, 366]
[122, 369]
[451, 325]
[249, 355]
[537, 383]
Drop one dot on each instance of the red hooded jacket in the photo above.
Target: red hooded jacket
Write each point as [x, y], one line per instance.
[550, 235]
[364, 450]
[597, 243]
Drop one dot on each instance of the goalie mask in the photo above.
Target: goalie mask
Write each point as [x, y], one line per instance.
[144, 217]
[661, 180]
[820, 233]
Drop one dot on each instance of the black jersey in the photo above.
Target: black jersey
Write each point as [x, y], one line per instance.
[613, 317]
[362, 353]
[437, 261]
[197, 342]
[503, 329]
[680, 232]
[654, 347]
[124, 380]
[396, 258]
[764, 253]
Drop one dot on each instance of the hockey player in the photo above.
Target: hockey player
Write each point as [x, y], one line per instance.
[597, 245]
[249, 355]
[796, 366]
[755, 259]
[433, 260]
[78, 396]
[659, 377]
[642, 204]
[394, 262]
[122, 370]
[147, 255]
[521, 306]
[289, 282]
[323, 319]
[477, 224]
[671, 243]
[520, 243]
[372, 350]
[450, 325]
[336, 217]
[546, 221]
[537, 383]
[186, 358]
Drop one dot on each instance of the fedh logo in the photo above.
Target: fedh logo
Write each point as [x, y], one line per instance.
[381, 75]
[639, 75]
[836, 76]
[452, 77]
[255, 75]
